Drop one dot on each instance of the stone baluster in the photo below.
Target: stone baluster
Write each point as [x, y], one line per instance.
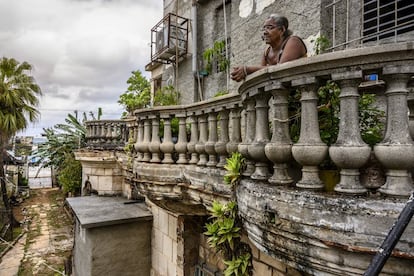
[257, 148]
[220, 146]
[410, 102]
[279, 150]
[167, 146]
[248, 138]
[154, 146]
[396, 151]
[103, 132]
[235, 138]
[181, 145]
[140, 140]
[349, 152]
[202, 139]
[309, 151]
[144, 147]
[193, 140]
[108, 136]
[212, 139]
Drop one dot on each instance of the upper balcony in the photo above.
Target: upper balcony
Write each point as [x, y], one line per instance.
[289, 211]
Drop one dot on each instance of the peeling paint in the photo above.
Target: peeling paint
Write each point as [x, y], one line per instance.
[262, 4]
[245, 8]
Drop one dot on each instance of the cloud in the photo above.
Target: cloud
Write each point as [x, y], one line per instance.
[82, 52]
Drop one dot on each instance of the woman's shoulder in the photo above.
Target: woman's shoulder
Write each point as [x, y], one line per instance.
[295, 41]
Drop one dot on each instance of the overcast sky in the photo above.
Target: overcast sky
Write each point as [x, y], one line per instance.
[82, 51]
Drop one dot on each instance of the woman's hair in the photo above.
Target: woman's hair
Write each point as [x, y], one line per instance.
[281, 21]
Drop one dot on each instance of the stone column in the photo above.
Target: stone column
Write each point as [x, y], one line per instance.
[235, 139]
[154, 146]
[349, 152]
[108, 136]
[256, 149]
[140, 139]
[248, 138]
[181, 145]
[212, 139]
[193, 140]
[396, 151]
[279, 150]
[309, 151]
[167, 146]
[200, 146]
[220, 146]
[144, 147]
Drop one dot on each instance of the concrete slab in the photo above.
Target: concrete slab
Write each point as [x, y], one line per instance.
[96, 211]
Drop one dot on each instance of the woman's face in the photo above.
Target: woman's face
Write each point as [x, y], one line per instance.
[271, 32]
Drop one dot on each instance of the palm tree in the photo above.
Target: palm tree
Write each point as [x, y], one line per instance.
[18, 101]
[62, 141]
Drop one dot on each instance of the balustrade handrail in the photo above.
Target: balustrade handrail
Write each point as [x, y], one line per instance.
[248, 111]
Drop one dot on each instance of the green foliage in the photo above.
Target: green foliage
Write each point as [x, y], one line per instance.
[321, 44]
[328, 111]
[216, 54]
[234, 166]
[18, 96]
[62, 141]
[221, 93]
[371, 120]
[70, 177]
[222, 230]
[166, 95]
[238, 266]
[138, 94]
[224, 226]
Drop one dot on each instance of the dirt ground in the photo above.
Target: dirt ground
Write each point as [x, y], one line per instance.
[50, 234]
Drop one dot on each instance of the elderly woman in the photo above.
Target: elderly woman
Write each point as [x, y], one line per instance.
[282, 46]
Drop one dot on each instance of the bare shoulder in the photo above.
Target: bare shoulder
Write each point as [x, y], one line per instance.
[295, 42]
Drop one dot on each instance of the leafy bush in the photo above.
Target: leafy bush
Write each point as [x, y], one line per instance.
[70, 177]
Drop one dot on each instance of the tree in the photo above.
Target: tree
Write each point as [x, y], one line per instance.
[58, 151]
[18, 101]
[138, 94]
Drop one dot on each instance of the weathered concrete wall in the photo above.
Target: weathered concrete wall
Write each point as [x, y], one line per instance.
[243, 22]
[111, 237]
[102, 170]
[164, 243]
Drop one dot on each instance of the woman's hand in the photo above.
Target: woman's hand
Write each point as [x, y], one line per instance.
[239, 73]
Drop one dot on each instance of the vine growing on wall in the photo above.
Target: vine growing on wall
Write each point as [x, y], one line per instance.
[225, 226]
[216, 54]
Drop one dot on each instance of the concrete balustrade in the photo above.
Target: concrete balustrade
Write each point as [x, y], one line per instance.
[293, 215]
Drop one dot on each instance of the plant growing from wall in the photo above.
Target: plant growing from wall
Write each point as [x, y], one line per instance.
[225, 226]
[129, 150]
[321, 44]
[168, 95]
[216, 54]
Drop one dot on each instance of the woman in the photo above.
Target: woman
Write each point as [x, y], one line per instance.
[282, 46]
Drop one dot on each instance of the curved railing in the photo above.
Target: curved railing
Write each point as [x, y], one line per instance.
[106, 134]
[287, 210]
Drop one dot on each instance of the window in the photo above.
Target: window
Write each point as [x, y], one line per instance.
[387, 18]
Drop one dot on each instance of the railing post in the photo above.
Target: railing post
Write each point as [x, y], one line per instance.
[248, 138]
[212, 139]
[220, 146]
[279, 150]
[396, 151]
[147, 139]
[309, 151]
[256, 149]
[200, 146]
[181, 145]
[167, 146]
[235, 138]
[193, 140]
[154, 146]
[140, 140]
[349, 152]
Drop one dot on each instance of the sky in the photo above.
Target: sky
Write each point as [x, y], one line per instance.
[82, 51]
